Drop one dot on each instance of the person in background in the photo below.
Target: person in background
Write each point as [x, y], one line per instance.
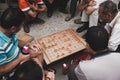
[90, 15]
[100, 66]
[10, 54]
[52, 5]
[31, 8]
[108, 13]
[73, 5]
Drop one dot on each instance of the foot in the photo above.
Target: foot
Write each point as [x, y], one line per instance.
[26, 28]
[82, 28]
[69, 17]
[63, 11]
[78, 21]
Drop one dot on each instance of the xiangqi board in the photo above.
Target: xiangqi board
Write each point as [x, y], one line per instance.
[60, 44]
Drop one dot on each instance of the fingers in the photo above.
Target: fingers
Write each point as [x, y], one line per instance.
[35, 45]
[35, 49]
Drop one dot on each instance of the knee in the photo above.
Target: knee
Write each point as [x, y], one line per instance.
[89, 10]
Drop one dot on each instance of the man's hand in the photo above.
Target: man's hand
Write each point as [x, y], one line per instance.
[33, 6]
[35, 49]
[92, 3]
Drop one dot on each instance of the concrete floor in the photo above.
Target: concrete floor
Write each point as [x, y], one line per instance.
[51, 25]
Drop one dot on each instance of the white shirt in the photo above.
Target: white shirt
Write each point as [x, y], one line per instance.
[114, 29]
[106, 67]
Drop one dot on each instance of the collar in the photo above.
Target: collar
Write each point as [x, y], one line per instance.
[112, 23]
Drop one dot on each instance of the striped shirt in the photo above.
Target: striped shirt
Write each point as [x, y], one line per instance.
[9, 49]
[24, 6]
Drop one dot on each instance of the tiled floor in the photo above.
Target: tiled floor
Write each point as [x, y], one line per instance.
[54, 24]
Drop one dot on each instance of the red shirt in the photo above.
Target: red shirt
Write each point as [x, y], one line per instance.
[24, 6]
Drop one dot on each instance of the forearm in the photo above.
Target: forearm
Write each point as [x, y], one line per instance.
[82, 6]
[8, 67]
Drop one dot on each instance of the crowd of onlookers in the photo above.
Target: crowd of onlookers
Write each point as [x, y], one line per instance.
[101, 19]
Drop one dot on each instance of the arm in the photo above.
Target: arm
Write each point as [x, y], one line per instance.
[8, 67]
[89, 9]
[32, 13]
[36, 52]
[38, 7]
[82, 5]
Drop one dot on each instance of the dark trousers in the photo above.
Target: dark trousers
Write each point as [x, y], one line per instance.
[50, 6]
[60, 4]
[73, 5]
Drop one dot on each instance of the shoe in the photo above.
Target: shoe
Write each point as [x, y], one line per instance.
[78, 21]
[63, 11]
[82, 28]
[26, 28]
[38, 21]
[69, 17]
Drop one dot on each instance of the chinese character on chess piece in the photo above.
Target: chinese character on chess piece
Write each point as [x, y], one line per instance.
[64, 68]
[25, 50]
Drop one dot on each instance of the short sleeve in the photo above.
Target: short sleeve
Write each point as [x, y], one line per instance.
[23, 5]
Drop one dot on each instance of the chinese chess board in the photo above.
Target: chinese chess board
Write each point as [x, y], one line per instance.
[60, 44]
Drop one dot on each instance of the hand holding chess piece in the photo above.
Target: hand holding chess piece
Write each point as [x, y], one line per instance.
[36, 52]
[35, 49]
